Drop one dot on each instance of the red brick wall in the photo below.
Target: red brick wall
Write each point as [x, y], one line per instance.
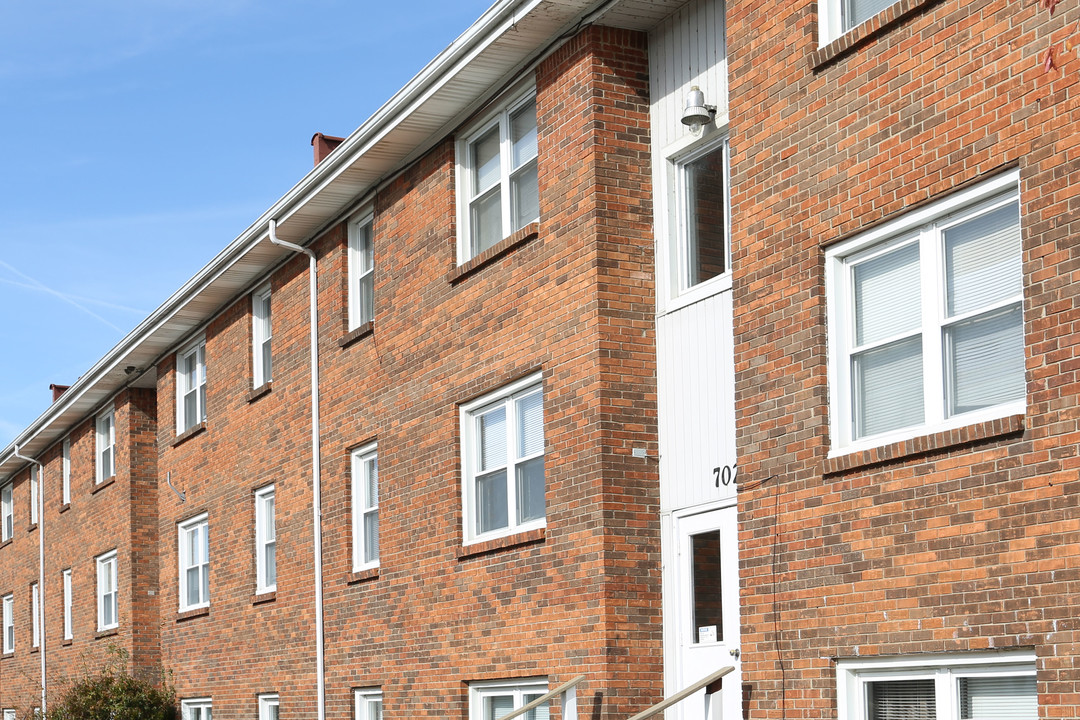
[970, 542]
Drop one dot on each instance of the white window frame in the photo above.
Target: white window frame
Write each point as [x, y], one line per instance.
[196, 709]
[108, 593]
[924, 225]
[830, 25]
[266, 702]
[196, 349]
[363, 461]
[10, 714]
[35, 488]
[265, 535]
[66, 580]
[35, 616]
[65, 473]
[262, 333]
[8, 603]
[200, 526]
[499, 116]
[7, 511]
[361, 272]
[365, 701]
[518, 688]
[854, 676]
[470, 412]
[105, 444]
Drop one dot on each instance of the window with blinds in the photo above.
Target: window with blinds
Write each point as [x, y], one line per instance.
[856, 12]
[496, 700]
[998, 698]
[926, 324]
[901, 700]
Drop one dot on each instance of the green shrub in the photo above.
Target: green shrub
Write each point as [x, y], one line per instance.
[113, 693]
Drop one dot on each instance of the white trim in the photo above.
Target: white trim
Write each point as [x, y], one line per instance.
[922, 226]
[105, 441]
[66, 582]
[196, 348]
[183, 547]
[516, 688]
[204, 706]
[7, 511]
[359, 272]
[469, 413]
[107, 574]
[830, 21]
[521, 95]
[363, 701]
[8, 604]
[35, 488]
[35, 615]
[265, 534]
[262, 333]
[65, 472]
[267, 701]
[362, 461]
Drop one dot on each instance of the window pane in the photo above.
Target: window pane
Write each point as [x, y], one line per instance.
[523, 134]
[371, 484]
[889, 388]
[191, 408]
[998, 698]
[270, 560]
[857, 11]
[486, 221]
[986, 358]
[538, 713]
[525, 196]
[887, 295]
[983, 260]
[493, 439]
[496, 706]
[530, 489]
[491, 502]
[530, 411]
[708, 611]
[705, 204]
[901, 700]
[267, 362]
[367, 298]
[205, 583]
[371, 536]
[485, 161]
[193, 586]
[375, 710]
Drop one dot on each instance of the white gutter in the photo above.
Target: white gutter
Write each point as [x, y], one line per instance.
[316, 475]
[41, 564]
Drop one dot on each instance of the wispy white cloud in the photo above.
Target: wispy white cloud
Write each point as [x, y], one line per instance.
[78, 298]
[37, 284]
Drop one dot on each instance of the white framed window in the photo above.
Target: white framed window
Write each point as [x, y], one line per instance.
[8, 603]
[7, 513]
[191, 386]
[261, 335]
[368, 704]
[194, 552]
[196, 709]
[65, 473]
[268, 706]
[35, 616]
[105, 432]
[925, 320]
[361, 271]
[9, 714]
[702, 218]
[265, 541]
[840, 16]
[107, 599]
[35, 488]
[972, 686]
[365, 507]
[503, 461]
[498, 190]
[66, 576]
[493, 700]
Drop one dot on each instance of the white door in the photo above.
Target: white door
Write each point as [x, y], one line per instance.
[708, 610]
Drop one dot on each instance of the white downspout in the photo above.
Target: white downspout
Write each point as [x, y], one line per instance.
[316, 475]
[41, 567]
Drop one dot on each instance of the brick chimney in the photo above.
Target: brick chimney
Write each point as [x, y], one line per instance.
[324, 145]
[57, 391]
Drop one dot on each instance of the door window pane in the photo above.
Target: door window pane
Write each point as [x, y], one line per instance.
[708, 609]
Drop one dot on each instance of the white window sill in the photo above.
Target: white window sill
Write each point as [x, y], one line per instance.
[701, 291]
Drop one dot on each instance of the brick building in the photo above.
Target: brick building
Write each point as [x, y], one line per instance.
[648, 339]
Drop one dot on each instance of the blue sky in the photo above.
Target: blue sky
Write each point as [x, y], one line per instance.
[139, 137]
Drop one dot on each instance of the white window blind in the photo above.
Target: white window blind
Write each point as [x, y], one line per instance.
[858, 11]
[998, 698]
[901, 700]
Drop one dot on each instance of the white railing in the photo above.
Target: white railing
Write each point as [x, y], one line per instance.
[568, 701]
[704, 682]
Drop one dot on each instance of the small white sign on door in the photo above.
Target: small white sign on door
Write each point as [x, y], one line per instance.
[706, 634]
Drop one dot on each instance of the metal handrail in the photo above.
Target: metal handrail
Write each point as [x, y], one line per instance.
[544, 698]
[683, 694]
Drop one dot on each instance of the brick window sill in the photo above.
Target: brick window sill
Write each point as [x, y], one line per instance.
[111, 632]
[925, 444]
[260, 391]
[103, 484]
[34, 650]
[66, 643]
[5, 543]
[493, 253]
[867, 31]
[362, 576]
[189, 433]
[32, 527]
[189, 614]
[262, 598]
[357, 333]
[5, 656]
[65, 507]
[530, 537]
